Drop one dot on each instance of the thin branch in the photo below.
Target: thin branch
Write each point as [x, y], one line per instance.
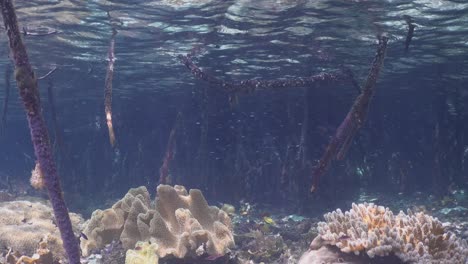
[249, 86]
[48, 74]
[354, 120]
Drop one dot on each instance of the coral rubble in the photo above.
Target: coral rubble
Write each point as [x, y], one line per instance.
[375, 230]
[263, 248]
[180, 224]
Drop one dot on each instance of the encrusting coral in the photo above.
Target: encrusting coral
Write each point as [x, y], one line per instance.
[24, 224]
[179, 223]
[412, 237]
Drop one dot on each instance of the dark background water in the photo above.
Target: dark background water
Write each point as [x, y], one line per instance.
[415, 139]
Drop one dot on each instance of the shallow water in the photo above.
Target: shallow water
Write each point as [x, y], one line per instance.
[261, 147]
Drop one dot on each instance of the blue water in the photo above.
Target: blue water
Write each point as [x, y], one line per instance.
[248, 150]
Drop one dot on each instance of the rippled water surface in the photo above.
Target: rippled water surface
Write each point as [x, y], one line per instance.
[239, 38]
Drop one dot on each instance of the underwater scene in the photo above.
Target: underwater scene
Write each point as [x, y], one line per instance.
[233, 131]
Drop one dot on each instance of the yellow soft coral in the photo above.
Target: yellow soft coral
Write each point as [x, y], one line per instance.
[144, 253]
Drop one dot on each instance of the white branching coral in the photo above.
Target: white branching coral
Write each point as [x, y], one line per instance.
[413, 237]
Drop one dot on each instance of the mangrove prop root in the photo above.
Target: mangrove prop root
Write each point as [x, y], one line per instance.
[249, 86]
[354, 120]
[53, 113]
[5, 100]
[170, 151]
[168, 157]
[302, 150]
[108, 88]
[29, 93]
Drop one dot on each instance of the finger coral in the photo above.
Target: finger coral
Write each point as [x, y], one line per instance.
[180, 223]
[375, 230]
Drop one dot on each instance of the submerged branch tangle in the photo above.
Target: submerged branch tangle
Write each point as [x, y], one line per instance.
[251, 85]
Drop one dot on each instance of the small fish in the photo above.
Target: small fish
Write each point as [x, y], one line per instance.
[269, 220]
[82, 235]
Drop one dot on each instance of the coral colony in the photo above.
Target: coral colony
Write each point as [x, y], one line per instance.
[375, 231]
[180, 224]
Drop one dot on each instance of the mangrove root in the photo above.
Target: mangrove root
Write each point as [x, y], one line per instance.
[341, 141]
[108, 88]
[29, 93]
